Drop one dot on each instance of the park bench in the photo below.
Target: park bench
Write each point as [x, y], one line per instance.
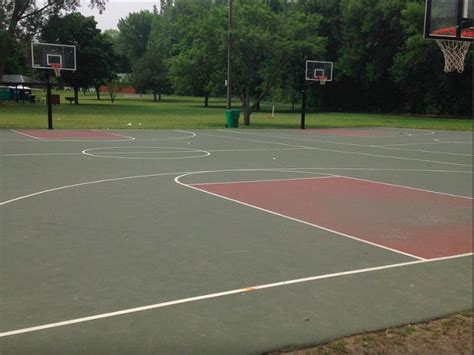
[70, 99]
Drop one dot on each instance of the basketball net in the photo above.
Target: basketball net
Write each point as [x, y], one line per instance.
[454, 54]
[57, 68]
[322, 79]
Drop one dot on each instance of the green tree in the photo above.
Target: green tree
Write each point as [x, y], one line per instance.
[267, 45]
[134, 32]
[123, 64]
[371, 35]
[418, 72]
[16, 15]
[198, 66]
[149, 73]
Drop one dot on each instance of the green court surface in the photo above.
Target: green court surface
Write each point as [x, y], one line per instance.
[228, 241]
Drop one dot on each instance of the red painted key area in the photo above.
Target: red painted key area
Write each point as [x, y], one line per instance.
[421, 223]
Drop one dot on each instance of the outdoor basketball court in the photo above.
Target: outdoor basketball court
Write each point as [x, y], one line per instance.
[228, 241]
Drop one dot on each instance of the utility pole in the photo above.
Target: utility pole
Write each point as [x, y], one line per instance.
[229, 58]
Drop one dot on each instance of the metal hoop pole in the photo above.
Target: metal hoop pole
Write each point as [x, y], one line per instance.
[48, 100]
[303, 106]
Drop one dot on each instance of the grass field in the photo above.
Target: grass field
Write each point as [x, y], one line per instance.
[175, 112]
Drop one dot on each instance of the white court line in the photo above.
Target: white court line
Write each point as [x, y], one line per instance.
[178, 150]
[211, 151]
[336, 151]
[470, 139]
[421, 151]
[138, 152]
[129, 138]
[192, 134]
[408, 187]
[19, 198]
[26, 135]
[83, 184]
[388, 169]
[222, 294]
[353, 178]
[428, 143]
[424, 132]
[351, 144]
[114, 134]
[37, 154]
[266, 180]
[257, 149]
[292, 218]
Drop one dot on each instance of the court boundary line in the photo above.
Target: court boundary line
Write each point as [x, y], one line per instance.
[296, 219]
[436, 142]
[26, 135]
[37, 154]
[222, 294]
[112, 133]
[75, 139]
[424, 132]
[388, 147]
[336, 151]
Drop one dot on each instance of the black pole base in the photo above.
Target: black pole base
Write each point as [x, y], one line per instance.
[48, 101]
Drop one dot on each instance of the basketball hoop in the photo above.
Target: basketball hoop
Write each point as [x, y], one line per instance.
[454, 51]
[57, 68]
[322, 79]
[454, 54]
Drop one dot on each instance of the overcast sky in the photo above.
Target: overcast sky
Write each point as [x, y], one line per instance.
[115, 10]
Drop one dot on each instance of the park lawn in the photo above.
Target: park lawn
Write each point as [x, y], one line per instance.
[175, 112]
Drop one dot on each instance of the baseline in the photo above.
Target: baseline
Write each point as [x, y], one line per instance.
[60, 138]
[336, 151]
[388, 147]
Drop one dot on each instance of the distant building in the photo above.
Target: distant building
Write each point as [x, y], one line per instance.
[124, 78]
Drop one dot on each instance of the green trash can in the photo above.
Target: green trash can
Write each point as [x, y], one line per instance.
[232, 118]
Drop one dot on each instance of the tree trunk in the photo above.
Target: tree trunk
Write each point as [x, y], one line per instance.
[9, 35]
[247, 110]
[257, 106]
[5, 46]
[206, 100]
[97, 91]
[159, 96]
[76, 95]
[293, 100]
[154, 95]
[246, 117]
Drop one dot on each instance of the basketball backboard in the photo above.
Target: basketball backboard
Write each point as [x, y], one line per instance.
[50, 55]
[449, 20]
[318, 71]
